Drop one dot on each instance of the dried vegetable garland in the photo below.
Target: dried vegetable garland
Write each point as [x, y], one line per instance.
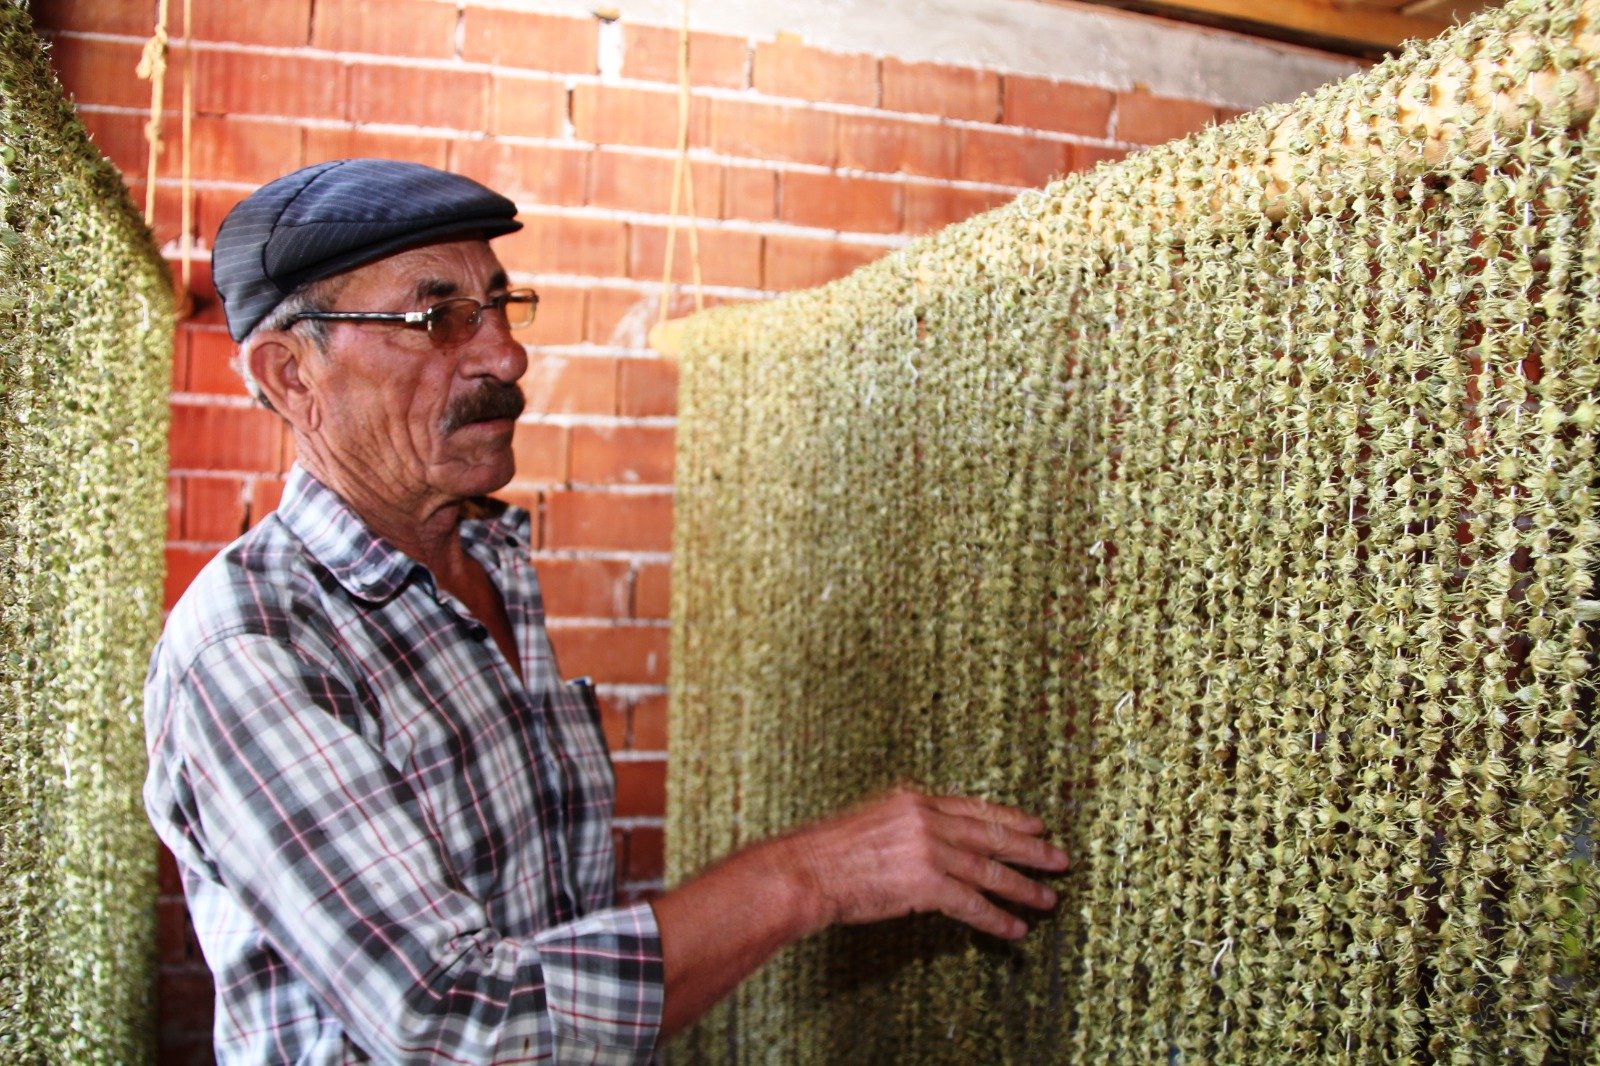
[1245, 528]
[85, 333]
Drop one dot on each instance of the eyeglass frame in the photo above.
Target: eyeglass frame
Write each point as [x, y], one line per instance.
[429, 315]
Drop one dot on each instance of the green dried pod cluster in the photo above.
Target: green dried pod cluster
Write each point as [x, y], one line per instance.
[85, 343]
[1249, 536]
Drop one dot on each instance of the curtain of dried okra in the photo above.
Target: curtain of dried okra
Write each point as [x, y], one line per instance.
[1257, 555]
[85, 343]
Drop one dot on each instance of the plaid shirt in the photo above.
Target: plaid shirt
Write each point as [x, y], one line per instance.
[392, 848]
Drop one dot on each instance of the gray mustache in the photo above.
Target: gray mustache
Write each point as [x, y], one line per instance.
[489, 402]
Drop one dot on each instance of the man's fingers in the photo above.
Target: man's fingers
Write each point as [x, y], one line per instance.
[995, 877]
[1000, 841]
[982, 810]
[968, 905]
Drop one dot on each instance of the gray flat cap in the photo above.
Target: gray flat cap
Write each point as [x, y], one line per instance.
[331, 217]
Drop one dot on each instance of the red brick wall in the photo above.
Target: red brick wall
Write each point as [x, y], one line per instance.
[808, 163]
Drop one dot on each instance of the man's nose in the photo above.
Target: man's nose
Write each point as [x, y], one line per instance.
[494, 350]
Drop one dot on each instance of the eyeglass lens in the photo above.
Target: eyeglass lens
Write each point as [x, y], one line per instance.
[456, 321]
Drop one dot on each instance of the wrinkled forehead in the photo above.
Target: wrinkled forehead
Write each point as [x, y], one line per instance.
[426, 273]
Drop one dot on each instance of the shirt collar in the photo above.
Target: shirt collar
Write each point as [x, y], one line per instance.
[365, 564]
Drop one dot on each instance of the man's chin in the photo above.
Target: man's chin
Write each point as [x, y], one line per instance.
[484, 459]
[488, 477]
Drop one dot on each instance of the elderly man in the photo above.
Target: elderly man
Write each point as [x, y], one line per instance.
[392, 816]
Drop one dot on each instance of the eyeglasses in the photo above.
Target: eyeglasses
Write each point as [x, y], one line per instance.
[449, 322]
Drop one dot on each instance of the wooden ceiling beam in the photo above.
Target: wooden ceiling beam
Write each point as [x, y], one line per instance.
[1358, 30]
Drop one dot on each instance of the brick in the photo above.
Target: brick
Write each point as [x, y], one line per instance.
[184, 998]
[931, 207]
[419, 96]
[641, 793]
[648, 388]
[211, 206]
[527, 107]
[785, 67]
[839, 202]
[247, 83]
[621, 318]
[1063, 106]
[223, 149]
[207, 437]
[940, 89]
[529, 173]
[169, 882]
[774, 131]
[650, 53]
[1145, 118]
[613, 654]
[559, 384]
[1011, 158]
[801, 262]
[523, 39]
[207, 309]
[1089, 156]
[647, 844]
[645, 118]
[131, 17]
[174, 507]
[276, 23]
[652, 591]
[350, 142]
[584, 588]
[175, 938]
[182, 566]
[555, 244]
[647, 724]
[102, 72]
[120, 138]
[614, 724]
[540, 451]
[727, 257]
[184, 1049]
[419, 28]
[895, 146]
[626, 455]
[626, 181]
[750, 193]
[608, 521]
[210, 363]
[265, 495]
[213, 508]
[560, 319]
[166, 226]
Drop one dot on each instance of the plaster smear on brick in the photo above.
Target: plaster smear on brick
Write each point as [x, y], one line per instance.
[1110, 49]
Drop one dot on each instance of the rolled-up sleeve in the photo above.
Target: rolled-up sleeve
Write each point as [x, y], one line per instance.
[268, 777]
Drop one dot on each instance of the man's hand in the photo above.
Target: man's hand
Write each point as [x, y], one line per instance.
[909, 852]
[903, 853]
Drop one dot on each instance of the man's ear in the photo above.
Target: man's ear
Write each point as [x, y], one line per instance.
[278, 361]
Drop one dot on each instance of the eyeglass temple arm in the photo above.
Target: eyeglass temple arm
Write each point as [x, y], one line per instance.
[417, 318]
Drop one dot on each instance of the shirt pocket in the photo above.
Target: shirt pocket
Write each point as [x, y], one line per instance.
[578, 718]
[591, 794]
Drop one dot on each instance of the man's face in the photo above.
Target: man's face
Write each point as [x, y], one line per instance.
[417, 423]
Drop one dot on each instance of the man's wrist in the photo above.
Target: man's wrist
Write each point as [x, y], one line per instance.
[789, 877]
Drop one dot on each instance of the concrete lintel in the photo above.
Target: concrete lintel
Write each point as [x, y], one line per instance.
[1044, 38]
